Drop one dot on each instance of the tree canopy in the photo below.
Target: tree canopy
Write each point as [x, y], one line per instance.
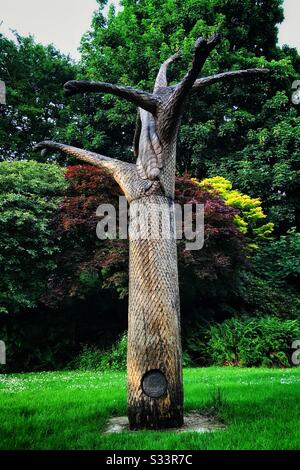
[33, 75]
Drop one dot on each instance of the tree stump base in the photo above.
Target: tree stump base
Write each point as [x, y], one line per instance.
[193, 422]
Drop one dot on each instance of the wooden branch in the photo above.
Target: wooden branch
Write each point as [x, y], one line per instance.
[205, 81]
[161, 79]
[109, 164]
[169, 114]
[125, 174]
[203, 48]
[140, 98]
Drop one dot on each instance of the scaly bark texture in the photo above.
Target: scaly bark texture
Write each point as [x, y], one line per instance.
[154, 347]
[155, 391]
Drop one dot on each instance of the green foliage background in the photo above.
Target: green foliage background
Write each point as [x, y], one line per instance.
[246, 131]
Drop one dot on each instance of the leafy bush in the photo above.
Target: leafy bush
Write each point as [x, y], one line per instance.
[186, 359]
[279, 262]
[261, 297]
[251, 216]
[246, 342]
[86, 264]
[29, 196]
[92, 358]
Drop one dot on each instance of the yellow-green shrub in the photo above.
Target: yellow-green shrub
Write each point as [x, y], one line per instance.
[251, 218]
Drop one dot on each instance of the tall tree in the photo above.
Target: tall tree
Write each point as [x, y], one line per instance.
[33, 74]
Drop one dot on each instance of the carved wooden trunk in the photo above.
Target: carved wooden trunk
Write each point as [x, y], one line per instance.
[155, 392]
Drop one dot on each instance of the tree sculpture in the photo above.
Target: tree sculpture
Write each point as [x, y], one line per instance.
[155, 391]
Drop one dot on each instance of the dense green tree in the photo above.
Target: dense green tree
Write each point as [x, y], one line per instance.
[269, 163]
[29, 196]
[33, 75]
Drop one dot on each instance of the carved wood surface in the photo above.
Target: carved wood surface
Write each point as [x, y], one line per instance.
[154, 323]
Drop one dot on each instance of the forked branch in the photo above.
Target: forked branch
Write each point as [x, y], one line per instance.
[161, 79]
[203, 48]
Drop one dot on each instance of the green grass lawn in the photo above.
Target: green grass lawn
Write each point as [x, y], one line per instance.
[68, 410]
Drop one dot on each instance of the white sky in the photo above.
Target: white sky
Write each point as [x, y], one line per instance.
[290, 28]
[63, 22]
